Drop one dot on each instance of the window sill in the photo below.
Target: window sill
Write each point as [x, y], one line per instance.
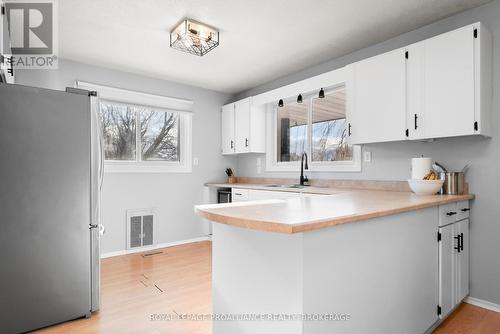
[146, 168]
[327, 168]
[321, 167]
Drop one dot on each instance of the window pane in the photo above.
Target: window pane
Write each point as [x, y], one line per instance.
[159, 135]
[292, 131]
[329, 128]
[119, 131]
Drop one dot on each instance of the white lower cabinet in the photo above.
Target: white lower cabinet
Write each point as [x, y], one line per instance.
[453, 265]
[239, 195]
[257, 195]
[463, 261]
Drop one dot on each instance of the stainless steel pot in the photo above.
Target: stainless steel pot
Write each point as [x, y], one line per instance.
[453, 183]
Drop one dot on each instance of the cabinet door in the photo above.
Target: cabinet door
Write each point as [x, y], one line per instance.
[242, 125]
[256, 195]
[377, 102]
[463, 260]
[228, 129]
[441, 85]
[447, 267]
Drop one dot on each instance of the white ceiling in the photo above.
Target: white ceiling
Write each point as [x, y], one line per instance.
[260, 40]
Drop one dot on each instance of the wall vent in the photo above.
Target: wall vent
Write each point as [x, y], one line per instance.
[140, 228]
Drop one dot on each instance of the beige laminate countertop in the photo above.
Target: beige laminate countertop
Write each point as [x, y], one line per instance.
[266, 187]
[302, 214]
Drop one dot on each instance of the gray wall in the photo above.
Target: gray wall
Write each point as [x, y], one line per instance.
[173, 195]
[391, 161]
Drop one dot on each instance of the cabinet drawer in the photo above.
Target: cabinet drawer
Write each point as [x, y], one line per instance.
[463, 210]
[447, 214]
[257, 195]
[239, 195]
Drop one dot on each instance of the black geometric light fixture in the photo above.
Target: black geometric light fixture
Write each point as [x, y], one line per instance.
[280, 103]
[194, 37]
[299, 98]
[321, 94]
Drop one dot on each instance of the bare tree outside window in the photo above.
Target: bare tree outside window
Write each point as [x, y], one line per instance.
[119, 131]
[159, 135]
[127, 128]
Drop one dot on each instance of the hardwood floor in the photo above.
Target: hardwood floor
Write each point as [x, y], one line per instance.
[470, 319]
[134, 287]
[179, 280]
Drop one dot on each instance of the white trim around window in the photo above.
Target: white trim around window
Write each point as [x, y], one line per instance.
[137, 98]
[160, 103]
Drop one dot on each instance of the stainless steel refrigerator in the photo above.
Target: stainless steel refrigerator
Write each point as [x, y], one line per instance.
[51, 174]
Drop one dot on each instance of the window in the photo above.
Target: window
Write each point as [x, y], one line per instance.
[329, 128]
[291, 131]
[133, 133]
[143, 132]
[318, 127]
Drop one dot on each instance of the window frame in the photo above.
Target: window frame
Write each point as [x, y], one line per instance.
[157, 103]
[272, 163]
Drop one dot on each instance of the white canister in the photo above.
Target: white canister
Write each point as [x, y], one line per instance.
[420, 167]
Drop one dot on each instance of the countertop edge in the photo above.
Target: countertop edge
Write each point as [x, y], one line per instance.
[266, 226]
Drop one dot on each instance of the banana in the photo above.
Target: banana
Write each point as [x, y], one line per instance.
[430, 176]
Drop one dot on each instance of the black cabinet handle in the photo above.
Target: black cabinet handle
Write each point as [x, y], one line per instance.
[461, 241]
[238, 194]
[246, 142]
[349, 130]
[465, 209]
[451, 213]
[416, 117]
[232, 144]
[458, 248]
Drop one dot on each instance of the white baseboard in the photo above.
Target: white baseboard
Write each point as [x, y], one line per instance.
[483, 303]
[157, 246]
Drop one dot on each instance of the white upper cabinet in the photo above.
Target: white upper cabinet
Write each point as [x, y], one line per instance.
[242, 125]
[439, 87]
[228, 129]
[376, 98]
[449, 88]
[243, 128]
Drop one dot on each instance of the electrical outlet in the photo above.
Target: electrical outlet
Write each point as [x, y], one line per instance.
[368, 156]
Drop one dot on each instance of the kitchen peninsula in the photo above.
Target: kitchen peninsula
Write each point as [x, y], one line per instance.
[370, 254]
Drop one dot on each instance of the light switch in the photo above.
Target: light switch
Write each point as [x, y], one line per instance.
[368, 156]
[195, 161]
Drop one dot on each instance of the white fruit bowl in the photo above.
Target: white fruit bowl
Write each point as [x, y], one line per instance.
[425, 187]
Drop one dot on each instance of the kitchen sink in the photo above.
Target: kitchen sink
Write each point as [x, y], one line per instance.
[292, 186]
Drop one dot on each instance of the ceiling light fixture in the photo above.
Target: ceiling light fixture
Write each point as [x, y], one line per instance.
[194, 37]
[280, 103]
[321, 94]
[299, 98]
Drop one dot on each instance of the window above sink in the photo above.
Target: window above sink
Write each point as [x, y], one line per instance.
[316, 126]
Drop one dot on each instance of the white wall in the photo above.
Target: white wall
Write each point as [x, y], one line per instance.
[391, 160]
[173, 195]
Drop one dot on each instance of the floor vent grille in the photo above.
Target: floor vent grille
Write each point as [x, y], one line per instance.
[140, 228]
